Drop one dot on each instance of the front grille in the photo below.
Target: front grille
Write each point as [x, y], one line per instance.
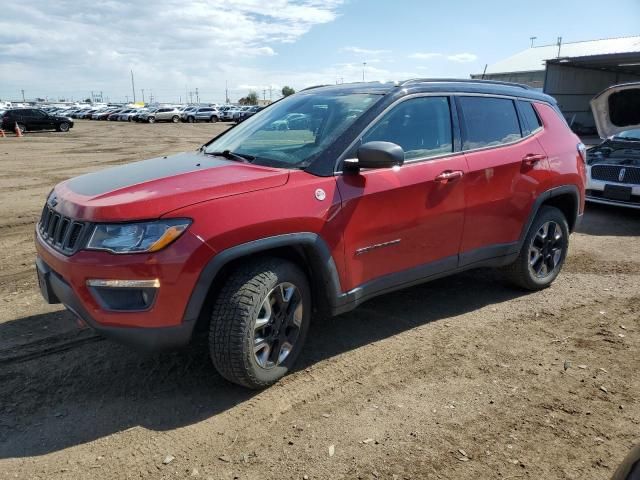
[63, 233]
[611, 173]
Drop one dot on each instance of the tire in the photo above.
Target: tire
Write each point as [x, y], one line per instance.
[543, 254]
[239, 310]
[175, 119]
[213, 119]
[63, 127]
[151, 120]
[191, 119]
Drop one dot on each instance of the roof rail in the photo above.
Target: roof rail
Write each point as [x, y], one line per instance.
[313, 86]
[413, 81]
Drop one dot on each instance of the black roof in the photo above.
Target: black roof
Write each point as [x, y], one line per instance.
[424, 85]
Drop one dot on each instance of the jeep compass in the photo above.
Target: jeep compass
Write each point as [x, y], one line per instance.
[372, 188]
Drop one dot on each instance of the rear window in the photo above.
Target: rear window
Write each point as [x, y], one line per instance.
[531, 121]
[489, 122]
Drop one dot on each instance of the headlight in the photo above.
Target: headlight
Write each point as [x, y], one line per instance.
[137, 237]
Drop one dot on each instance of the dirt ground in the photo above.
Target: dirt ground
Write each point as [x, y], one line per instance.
[461, 378]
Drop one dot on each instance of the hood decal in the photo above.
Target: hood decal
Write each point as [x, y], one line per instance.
[105, 181]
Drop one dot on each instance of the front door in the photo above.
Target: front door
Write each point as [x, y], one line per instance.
[406, 221]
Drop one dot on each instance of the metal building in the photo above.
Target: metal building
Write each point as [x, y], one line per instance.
[572, 72]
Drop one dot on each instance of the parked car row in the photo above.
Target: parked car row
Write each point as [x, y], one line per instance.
[188, 114]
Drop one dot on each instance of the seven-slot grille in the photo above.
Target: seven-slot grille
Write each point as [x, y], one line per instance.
[62, 233]
[611, 173]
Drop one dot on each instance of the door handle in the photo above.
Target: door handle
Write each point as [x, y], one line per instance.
[530, 159]
[449, 176]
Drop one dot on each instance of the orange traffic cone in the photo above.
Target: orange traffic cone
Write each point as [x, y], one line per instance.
[18, 131]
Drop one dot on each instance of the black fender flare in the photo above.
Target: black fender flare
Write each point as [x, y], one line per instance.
[542, 198]
[315, 249]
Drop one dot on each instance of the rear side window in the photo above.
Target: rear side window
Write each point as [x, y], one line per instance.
[421, 126]
[531, 121]
[488, 122]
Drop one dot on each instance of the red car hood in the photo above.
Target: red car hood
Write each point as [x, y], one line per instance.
[151, 188]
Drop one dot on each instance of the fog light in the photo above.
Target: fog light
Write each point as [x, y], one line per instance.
[124, 295]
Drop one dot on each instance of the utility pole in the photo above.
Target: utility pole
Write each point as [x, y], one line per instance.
[92, 97]
[264, 94]
[197, 96]
[190, 97]
[532, 39]
[364, 65]
[22, 95]
[226, 90]
[143, 95]
[101, 96]
[133, 88]
[559, 45]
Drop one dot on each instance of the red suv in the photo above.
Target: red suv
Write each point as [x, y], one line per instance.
[373, 188]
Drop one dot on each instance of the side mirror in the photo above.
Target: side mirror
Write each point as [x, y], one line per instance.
[377, 155]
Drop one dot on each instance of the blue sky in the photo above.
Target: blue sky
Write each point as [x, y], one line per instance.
[68, 48]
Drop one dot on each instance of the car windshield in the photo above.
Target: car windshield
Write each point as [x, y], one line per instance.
[629, 134]
[295, 131]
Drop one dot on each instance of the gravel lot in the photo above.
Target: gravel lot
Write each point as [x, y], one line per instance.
[461, 378]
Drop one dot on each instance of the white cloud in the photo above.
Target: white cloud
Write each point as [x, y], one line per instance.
[365, 51]
[168, 43]
[425, 55]
[463, 57]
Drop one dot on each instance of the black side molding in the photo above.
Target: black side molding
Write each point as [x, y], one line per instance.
[543, 197]
[314, 247]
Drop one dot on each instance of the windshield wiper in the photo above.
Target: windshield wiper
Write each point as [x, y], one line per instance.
[229, 155]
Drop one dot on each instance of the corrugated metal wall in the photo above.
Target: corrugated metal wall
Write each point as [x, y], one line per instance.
[574, 87]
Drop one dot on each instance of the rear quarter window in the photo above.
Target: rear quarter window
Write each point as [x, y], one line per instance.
[488, 122]
[530, 119]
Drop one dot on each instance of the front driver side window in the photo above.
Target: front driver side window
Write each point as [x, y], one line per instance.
[421, 126]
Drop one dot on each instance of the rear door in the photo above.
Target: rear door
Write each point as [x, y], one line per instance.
[406, 220]
[506, 166]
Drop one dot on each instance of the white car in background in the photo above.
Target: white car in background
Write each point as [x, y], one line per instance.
[613, 167]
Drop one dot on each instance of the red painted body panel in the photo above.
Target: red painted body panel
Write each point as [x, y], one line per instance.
[560, 143]
[404, 204]
[500, 191]
[154, 198]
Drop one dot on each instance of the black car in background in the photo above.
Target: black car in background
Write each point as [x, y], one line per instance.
[33, 119]
[248, 113]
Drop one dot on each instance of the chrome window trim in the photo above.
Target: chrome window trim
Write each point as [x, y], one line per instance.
[451, 96]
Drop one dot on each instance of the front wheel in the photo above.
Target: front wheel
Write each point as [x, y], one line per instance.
[151, 120]
[259, 322]
[191, 119]
[175, 119]
[543, 252]
[213, 119]
[63, 127]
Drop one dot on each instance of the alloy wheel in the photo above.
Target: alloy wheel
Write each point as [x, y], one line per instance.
[277, 325]
[545, 250]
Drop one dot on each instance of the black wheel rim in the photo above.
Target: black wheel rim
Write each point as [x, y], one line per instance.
[277, 326]
[545, 250]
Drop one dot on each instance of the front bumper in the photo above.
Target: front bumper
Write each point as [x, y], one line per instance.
[167, 323]
[595, 193]
[56, 290]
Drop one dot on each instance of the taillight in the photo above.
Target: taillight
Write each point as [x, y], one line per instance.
[582, 150]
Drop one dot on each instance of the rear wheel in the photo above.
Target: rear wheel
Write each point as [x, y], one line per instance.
[213, 119]
[259, 322]
[151, 120]
[191, 119]
[175, 119]
[63, 127]
[543, 252]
